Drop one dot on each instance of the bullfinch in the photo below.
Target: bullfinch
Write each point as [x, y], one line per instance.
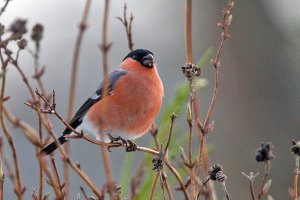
[134, 99]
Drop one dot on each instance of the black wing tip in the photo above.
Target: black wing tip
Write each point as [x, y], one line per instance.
[52, 147]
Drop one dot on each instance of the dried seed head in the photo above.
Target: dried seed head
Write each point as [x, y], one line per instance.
[18, 27]
[22, 43]
[212, 171]
[265, 152]
[190, 70]
[37, 32]
[221, 177]
[296, 148]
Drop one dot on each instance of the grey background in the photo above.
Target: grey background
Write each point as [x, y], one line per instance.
[259, 92]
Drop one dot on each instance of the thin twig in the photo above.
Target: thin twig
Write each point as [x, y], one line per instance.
[52, 182]
[79, 171]
[179, 179]
[188, 33]
[4, 7]
[127, 26]
[226, 21]
[251, 177]
[2, 177]
[56, 173]
[84, 194]
[173, 117]
[163, 178]
[265, 178]
[105, 46]
[296, 174]
[18, 186]
[154, 185]
[73, 85]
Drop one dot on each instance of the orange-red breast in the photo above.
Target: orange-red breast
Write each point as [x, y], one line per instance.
[134, 100]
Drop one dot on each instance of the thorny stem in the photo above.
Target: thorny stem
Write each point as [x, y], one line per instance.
[296, 174]
[264, 180]
[73, 84]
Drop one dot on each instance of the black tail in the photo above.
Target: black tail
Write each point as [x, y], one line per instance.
[51, 147]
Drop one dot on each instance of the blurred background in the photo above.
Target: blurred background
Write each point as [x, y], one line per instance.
[259, 97]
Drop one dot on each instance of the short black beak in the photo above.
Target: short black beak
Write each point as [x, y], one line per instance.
[147, 60]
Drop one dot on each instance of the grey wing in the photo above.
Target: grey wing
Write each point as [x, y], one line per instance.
[78, 117]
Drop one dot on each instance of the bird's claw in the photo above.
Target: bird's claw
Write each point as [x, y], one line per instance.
[130, 146]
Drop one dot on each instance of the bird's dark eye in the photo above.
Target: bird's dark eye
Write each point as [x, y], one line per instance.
[134, 57]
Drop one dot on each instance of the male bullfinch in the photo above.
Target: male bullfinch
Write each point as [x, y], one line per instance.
[134, 99]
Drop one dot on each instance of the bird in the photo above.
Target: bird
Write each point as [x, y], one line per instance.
[133, 101]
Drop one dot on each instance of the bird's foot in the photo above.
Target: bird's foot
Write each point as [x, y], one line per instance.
[116, 140]
[130, 146]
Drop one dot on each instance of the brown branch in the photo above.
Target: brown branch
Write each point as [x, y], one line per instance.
[224, 25]
[52, 182]
[188, 33]
[56, 174]
[105, 46]
[296, 174]
[264, 180]
[6, 163]
[179, 179]
[154, 185]
[73, 85]
[136, 181]
[173, 117]
[84, 194]
[127, 26]
[2, 177]
[4, 7]
[81, 173]
[18, 186]
[165, 184]
[73, 166]
[251, 177]
[29, 131]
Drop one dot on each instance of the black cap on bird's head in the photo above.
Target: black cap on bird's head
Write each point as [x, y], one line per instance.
[144, 56]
